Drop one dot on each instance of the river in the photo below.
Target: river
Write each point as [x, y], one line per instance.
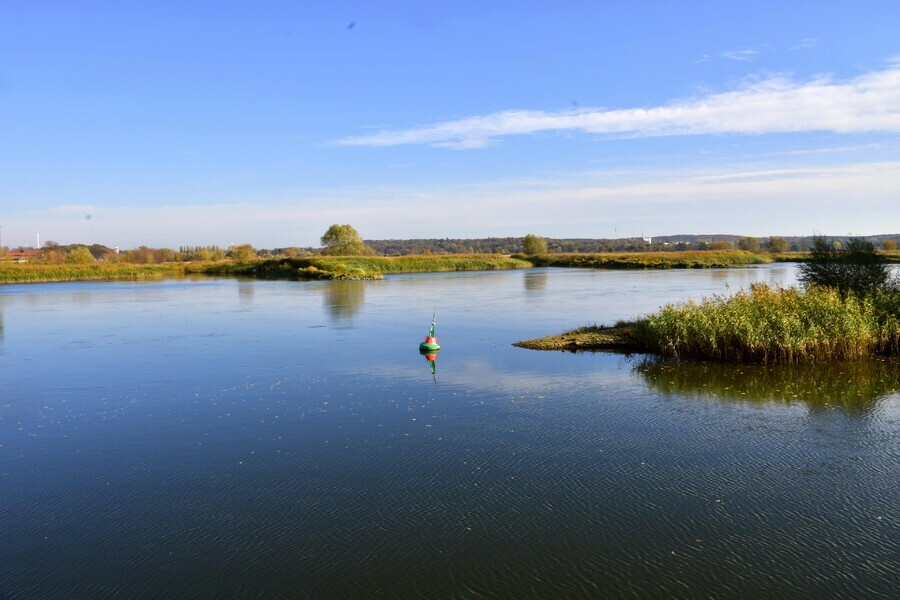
[211, 438]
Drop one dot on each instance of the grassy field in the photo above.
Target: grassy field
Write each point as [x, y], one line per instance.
[766, 325]
[704, 259]
[364, 267]
[37, 272]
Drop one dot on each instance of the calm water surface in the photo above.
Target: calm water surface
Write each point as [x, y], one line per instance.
[221, 438]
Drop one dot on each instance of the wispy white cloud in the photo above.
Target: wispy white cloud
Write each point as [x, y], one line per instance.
[867, 103]
[741, 55]
[834, 199]
[805, 44]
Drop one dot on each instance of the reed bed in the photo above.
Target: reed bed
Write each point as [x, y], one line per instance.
[773, 325]
[694, 259]
[38, 273]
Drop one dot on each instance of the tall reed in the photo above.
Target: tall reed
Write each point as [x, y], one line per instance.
[773, 325]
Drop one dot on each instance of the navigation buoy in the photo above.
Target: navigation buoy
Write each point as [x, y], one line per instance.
[430, 345]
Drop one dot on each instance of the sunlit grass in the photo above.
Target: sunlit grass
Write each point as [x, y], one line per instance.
[38, 272]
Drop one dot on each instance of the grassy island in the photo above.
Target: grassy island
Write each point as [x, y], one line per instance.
[762, 325]
[363, 267]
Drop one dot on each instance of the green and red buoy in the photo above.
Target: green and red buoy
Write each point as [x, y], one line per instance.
[430, 345]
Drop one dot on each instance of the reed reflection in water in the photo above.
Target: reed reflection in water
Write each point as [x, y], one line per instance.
[853, 385]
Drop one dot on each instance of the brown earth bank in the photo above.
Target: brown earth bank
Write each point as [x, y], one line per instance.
[621, 337]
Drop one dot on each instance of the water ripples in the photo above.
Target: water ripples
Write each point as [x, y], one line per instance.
[320, 473]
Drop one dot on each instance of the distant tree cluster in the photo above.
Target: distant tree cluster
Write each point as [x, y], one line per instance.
[750, 244]
[199, 253]
[446, 246]
[242, 253]
[144, 255]
[576, 245]
[346, 240]
[721, 245]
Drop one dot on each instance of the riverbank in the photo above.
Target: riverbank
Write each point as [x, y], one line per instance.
[44, 273]
[698, 259]
[765, 325]
[621, 337]
[374, 267]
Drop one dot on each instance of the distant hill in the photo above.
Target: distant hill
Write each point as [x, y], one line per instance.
[512, 245]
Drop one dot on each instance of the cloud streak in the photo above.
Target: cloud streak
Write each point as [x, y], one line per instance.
[740, 55]
[835, 199]
[867, 103]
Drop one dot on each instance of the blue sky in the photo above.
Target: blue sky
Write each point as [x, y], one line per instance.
[175, 123]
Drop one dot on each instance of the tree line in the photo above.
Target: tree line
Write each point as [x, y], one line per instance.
[346, 240]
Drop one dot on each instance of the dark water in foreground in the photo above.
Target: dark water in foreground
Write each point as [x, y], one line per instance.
[218, 438]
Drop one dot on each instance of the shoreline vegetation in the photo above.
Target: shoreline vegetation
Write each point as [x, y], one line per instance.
[689, 259]
[764, 325]
[363, 267]
[373, 267]
[49, 273]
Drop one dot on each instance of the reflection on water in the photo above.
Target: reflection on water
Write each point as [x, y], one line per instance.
[856, 386]
[344, 299]
[535, 281]
[245, 293]
[431, 359]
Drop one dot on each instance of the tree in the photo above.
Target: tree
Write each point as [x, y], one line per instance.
[344, 240]
[857, 269]
[53, 257]
[80, 256]
[242, 253]
[889, 245]
[721, 245]
[534, 244]
[750, 244]
[777, 244]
